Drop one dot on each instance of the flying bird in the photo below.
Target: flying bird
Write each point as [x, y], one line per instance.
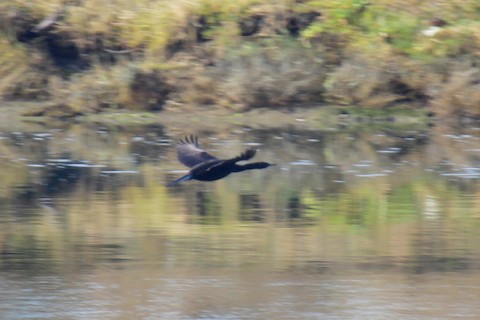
[205, 167]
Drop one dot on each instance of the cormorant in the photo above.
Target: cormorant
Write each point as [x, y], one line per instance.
[206, 167]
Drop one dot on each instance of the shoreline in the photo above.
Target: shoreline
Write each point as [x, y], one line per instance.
[306, 117]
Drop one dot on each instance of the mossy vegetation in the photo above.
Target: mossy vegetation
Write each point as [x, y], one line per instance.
[95, 55]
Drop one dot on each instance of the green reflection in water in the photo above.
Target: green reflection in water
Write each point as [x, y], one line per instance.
[73, 199]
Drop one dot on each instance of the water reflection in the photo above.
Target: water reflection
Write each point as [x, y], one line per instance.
[381, 223]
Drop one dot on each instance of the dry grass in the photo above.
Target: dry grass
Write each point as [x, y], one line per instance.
[362, 82]
[21, 72]
[140, 54]
[451, 41]
[13, 65]
[261, 80]
[256, 74]
[460, 95]
[100, 87]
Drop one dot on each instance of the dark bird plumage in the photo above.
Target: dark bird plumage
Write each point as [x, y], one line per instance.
[206, 167]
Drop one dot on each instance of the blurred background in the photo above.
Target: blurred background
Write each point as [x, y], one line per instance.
[369, 109]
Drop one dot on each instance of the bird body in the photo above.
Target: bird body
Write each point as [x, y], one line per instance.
[206, 167]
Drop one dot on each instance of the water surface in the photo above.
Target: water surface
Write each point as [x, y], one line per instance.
[364, 223]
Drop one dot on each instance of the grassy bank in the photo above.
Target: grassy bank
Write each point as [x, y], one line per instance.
[87, 56]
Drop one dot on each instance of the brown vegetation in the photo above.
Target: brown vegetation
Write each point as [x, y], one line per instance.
[94, 55]
[460, 94]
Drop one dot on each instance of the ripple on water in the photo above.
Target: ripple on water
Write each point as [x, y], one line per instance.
[303, 162]
[370, 175]
[36, 165]
[391, 150]
[83, 165]
[119, 171]
[59, 160]
[466, 173]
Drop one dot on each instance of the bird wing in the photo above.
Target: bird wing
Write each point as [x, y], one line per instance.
[246, 155]
[189, 152]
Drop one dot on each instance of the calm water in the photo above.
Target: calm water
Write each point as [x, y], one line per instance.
[351, 224]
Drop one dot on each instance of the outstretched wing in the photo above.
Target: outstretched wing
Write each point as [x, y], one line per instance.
[246, 155]
[189, 152]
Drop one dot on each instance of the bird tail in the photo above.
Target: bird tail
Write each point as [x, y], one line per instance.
[179, 180]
